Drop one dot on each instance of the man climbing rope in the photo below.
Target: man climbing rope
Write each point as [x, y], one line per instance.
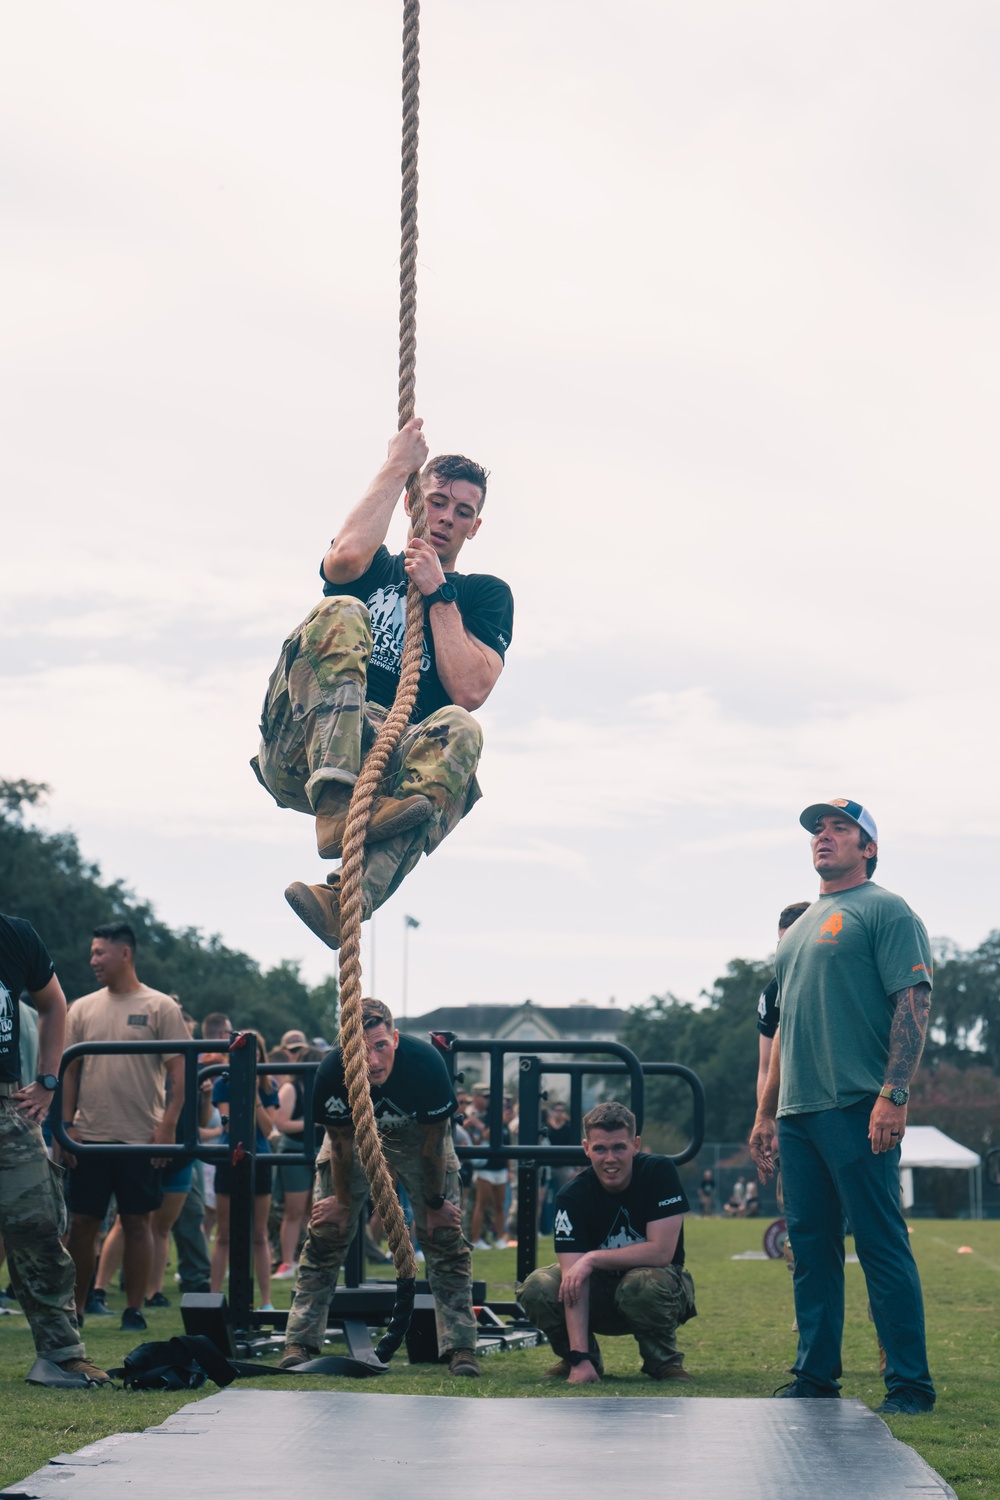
[337, 674]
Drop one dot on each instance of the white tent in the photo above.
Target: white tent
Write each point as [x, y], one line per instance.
[926, 1146]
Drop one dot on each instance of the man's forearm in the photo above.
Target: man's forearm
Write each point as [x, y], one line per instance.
[467, 669]
[578, 1319]
[767, 1104]
[433, 1144]
[51, 1030]
[631, 1257]
[909, 1030]
[366, 525]
[341, 1161]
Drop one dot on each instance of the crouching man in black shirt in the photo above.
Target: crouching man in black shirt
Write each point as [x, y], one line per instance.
[619, 1233]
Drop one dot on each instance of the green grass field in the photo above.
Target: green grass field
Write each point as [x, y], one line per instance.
[739, 1345]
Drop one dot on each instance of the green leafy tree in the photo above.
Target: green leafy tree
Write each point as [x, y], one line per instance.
[717, 1040]
[44, 877]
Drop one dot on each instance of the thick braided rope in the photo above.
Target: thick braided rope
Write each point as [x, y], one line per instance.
[351, 1032]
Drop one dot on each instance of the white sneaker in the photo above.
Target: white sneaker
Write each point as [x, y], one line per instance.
[500, 1244]
[481, 1245]
[287, 1271]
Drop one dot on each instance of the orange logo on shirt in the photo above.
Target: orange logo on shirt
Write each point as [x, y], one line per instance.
[920, 966]
[830, 928]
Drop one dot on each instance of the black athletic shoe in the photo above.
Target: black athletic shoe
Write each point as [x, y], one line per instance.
[96, 1304]
[904, 1404]
[157, 1300]
[133, 1319]
[802, 1388]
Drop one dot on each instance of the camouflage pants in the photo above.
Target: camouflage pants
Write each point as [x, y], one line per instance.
[449, 1262]
[648, 1302]
[32, 1218]
[317, 726]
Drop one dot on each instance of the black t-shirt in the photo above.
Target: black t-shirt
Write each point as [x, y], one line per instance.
[24, 965]
[588, 1218]
[768, 1014]
[418, 1088]
[484, 602]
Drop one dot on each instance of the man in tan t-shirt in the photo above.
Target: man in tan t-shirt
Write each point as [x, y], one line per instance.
[120, 1098]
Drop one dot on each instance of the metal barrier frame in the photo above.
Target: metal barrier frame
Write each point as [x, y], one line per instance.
[531, 1152]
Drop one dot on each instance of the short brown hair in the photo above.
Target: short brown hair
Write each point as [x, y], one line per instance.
[450, 466]
[609, 1115]
[792, 913]
[376, 1013]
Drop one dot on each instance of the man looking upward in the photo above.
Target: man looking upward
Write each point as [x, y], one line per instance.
[854, 988]
[336, 679]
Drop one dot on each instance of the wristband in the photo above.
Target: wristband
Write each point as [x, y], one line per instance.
[446, 593]
[434, 1203]
[580, 1356]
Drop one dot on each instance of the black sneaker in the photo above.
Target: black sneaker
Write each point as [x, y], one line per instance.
[796, 1388]
[904, 1404]
[132, 1318]
[157, 1300]
[96, 1304]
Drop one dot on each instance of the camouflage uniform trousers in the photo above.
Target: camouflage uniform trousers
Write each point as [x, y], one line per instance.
[449, 1260]
[32, 1219]
[649, 1302]
[316, 727]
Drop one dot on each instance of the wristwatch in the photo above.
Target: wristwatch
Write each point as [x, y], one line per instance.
[48, 1081]
[446, 594]
[897, 1095]
[579, 1356]
[434, 1203]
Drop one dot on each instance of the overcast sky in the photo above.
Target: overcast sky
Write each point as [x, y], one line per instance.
[712, 289]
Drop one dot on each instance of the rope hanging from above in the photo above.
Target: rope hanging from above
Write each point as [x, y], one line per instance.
[352, 1036]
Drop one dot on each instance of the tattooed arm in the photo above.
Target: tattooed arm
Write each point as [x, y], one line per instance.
[434, 1142]
[887, 1125]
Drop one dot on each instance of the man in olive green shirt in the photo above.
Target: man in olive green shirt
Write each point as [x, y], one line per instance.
[854, 988]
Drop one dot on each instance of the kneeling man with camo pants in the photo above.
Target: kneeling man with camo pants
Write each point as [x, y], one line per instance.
[619, 1233]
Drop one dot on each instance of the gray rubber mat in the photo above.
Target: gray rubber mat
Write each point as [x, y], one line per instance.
[314, 1444]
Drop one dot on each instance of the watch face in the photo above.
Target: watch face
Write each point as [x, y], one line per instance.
[48, 1081]
[899, 1096]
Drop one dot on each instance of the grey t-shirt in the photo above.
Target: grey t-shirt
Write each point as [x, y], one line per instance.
[836, 969]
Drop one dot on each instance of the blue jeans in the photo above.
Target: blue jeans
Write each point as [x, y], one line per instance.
[829, 1171]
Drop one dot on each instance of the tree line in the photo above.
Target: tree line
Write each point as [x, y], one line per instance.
[957, 1087]
[45, 878]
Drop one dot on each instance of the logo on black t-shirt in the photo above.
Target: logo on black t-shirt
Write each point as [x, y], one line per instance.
[622, 1233]
[562, 1225]
[6, 1015]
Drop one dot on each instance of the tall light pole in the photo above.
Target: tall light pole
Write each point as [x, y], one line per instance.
[408, 922]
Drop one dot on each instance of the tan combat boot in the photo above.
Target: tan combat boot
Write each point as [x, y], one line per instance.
[318, 906]
[296, 1354]
[389, 816]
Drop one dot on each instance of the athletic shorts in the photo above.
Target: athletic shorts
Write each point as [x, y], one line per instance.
[261, 1180]
[134, 1181]
[177, 1179]
[294, 1179]
[486, 1175]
